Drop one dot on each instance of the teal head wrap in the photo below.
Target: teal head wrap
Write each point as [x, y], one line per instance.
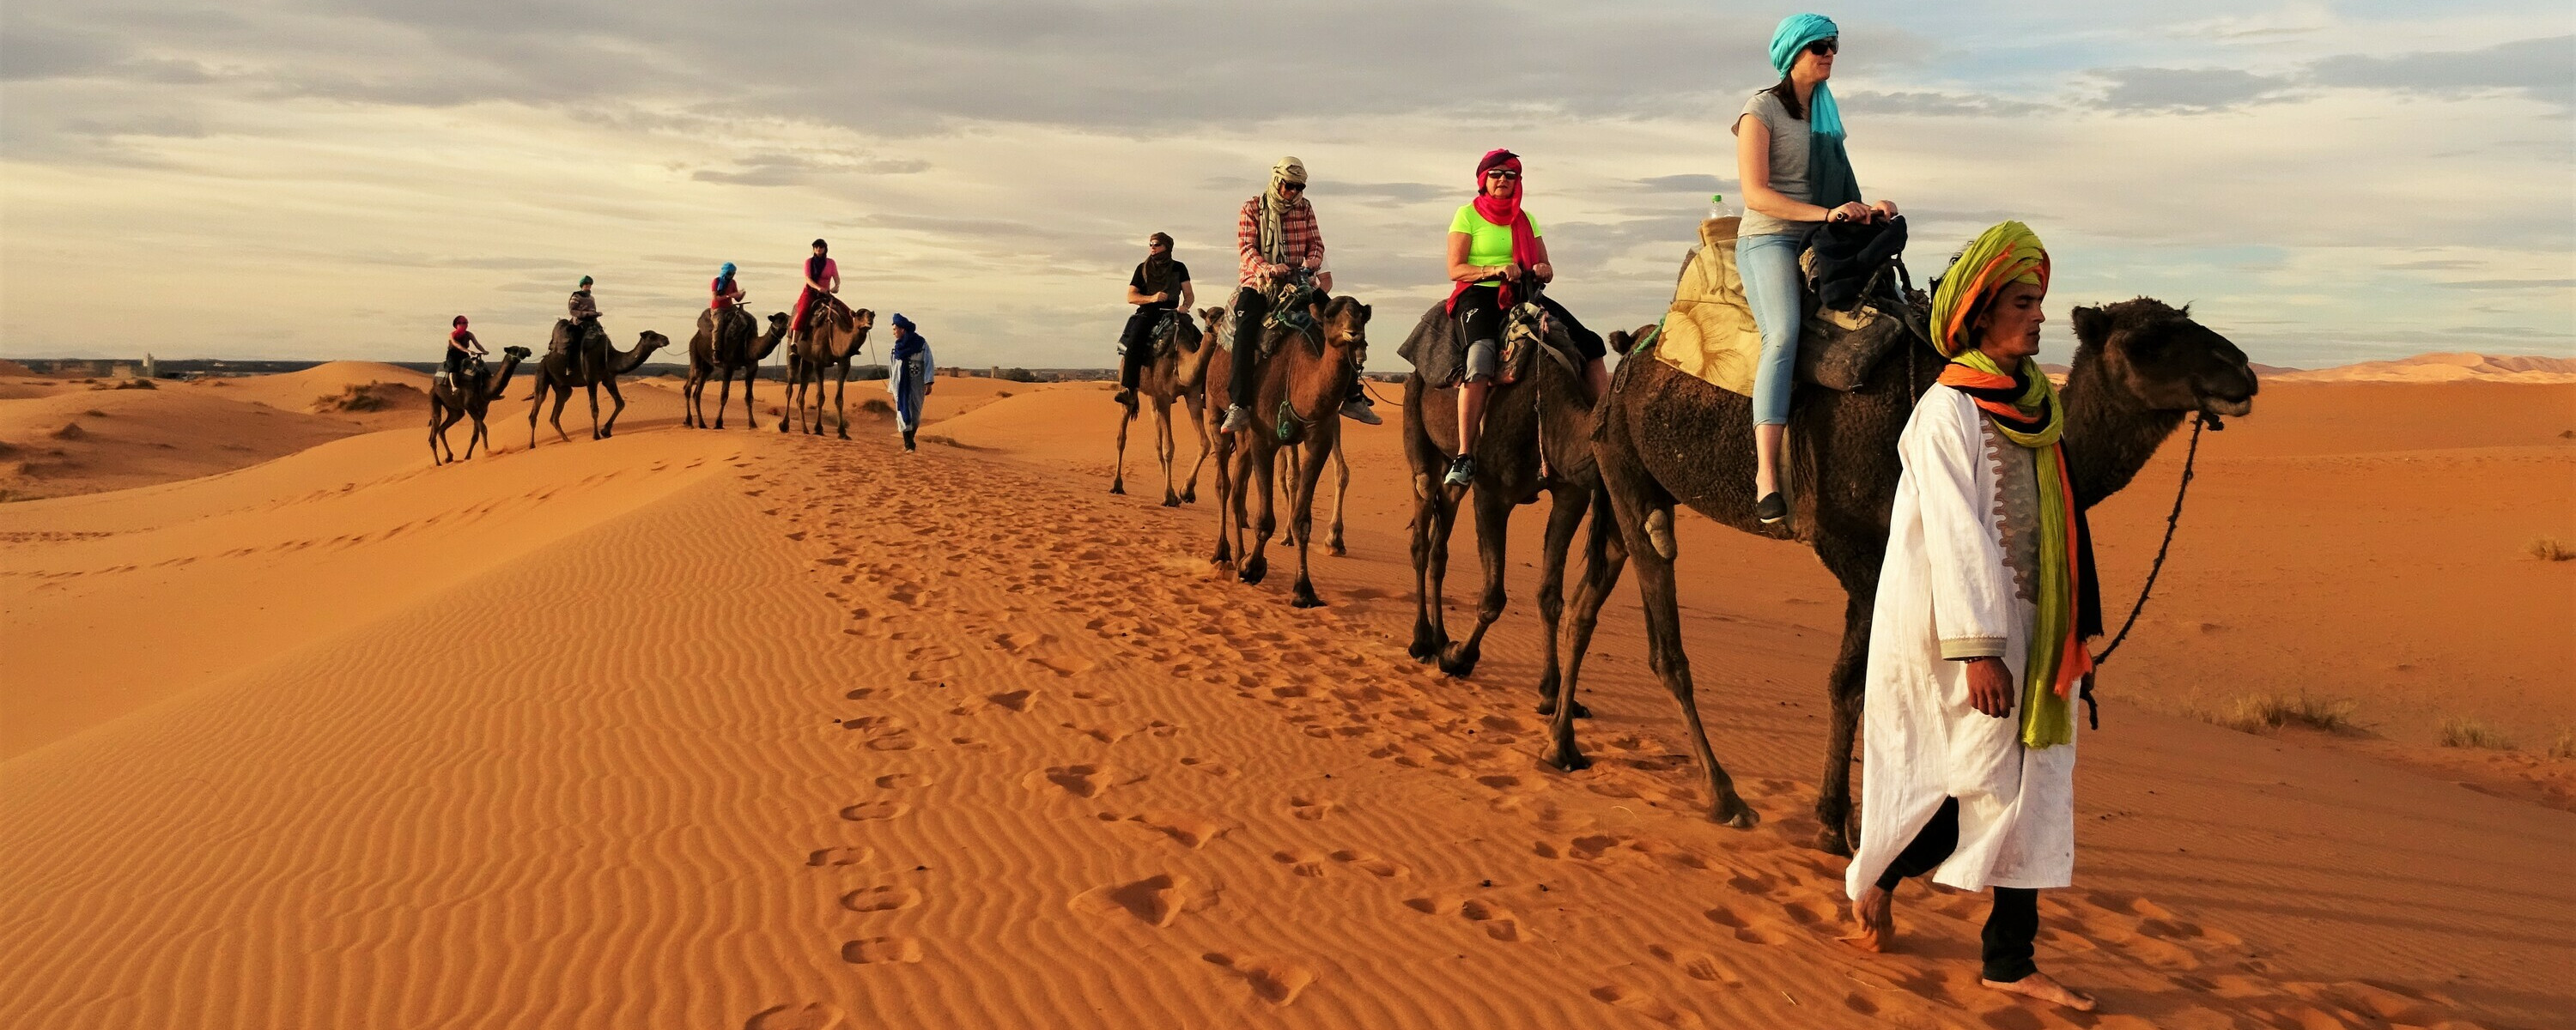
[1791, 39]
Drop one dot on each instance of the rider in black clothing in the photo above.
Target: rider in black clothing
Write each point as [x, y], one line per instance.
[1159, 286]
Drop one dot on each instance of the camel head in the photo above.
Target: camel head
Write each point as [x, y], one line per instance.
[1344, 323]
[2168, 362]
[778, 323]
[516, 353]
[863, 320]
[649, 341]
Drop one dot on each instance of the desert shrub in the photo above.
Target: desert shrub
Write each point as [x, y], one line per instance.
[362, 397]
[876, 406]
[2461, 731]
[1019, 375]
[2548, 548]
[2564, 746]
[2260, 713]
[70, 431]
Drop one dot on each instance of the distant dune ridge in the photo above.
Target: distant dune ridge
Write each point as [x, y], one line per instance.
[2462, 367]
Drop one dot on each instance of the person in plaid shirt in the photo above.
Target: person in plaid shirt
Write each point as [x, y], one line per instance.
[1276, 233]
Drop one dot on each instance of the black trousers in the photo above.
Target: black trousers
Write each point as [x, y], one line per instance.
[1139, 349]
[2012, 926]
[1481, 309]
[455, 361]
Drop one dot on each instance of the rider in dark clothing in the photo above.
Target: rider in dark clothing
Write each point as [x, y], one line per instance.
[1159, 286]
[462, 347]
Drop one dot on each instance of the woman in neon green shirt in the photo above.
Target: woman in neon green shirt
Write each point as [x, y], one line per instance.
[1495, 257]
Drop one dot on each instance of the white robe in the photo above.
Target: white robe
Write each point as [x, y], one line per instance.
[1960, 579]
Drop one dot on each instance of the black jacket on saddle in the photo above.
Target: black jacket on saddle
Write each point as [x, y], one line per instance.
[1842, 256]
[1437, 347]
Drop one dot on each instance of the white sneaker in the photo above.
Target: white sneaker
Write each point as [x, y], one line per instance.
[1236, 419]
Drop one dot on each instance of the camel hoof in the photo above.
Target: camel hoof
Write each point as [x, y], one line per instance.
[1735, 813]
[1191, 495]
[1425, 646]
[1831, 841]
[1334, 547]
[1118, 488]
[845, 434]
[1565, 758]
[1305, 598]
[1547, 706]
[1170, 501]
[1460, 661]
[1254, 569]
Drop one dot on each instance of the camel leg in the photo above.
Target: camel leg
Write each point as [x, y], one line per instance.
[724, 399]
[840, 402]
[1605, 552]
[1118, 474]
[620, 400]
[689, 388]
[1301, 512]
[1198, 421]
[478, 437]
[1837, 822]
[1225, 507]
[1263, 480]
[437, 434]
[536, 402]
[1493, 527]
[1341, 492]
[1434, 515]
[1662, 604]
[749, 410]
[787, 394]
[563, 396]
[1565, 508]
[1167, 446]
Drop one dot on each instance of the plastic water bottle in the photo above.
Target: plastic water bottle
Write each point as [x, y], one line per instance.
[1717, 207]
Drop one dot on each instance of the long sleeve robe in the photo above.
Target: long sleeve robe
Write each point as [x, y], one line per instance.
[1960, 580]
[908, 375]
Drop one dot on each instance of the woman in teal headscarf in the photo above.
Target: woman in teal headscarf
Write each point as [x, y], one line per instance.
[1789, 155]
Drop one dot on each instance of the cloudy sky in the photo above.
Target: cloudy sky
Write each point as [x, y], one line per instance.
[2326, 182]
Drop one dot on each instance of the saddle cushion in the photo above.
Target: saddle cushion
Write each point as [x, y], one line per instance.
[1710, 333]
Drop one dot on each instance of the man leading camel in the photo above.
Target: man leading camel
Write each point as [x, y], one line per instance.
[1159, 285]
[1277, 235]
[1983, 605]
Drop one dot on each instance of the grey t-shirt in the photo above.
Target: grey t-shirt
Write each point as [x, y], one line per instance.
[1788, 164]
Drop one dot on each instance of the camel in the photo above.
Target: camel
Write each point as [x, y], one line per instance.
[1537, 436]
[1176, 375]
[833, 334]
[448, 402]
[564, 368]
[1297, 459]
[1297, 403]
[718, 353]
[1668, 438]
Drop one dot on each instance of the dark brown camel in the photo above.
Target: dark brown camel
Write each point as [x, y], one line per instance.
[833, 335]
[449, 401]
[1668, 438]
[719, 353]
[1176, 375]
[1543, 410]
[1301, 387]
[564, 368]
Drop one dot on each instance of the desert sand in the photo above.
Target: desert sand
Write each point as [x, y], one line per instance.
[719, 729]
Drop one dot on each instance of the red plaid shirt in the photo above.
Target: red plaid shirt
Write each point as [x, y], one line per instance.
[1304, 241]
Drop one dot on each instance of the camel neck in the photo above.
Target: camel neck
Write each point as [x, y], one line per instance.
[2110, 432]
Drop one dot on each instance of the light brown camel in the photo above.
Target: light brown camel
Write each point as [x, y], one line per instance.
[1333, 544]
[450, 400]
[1175, 375]
[565, 367]
[1297, 401]
[1668, 438]
[1544, 411]
[833, 335]
[718, 353]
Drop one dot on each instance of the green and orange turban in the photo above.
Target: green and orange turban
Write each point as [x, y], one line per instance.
[2007, 253]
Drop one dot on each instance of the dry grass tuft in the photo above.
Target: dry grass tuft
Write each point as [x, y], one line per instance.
[876, 406]
[2564, 746]
[2466, 732]
[363, 397]
[2548, 548]
[70, 431]
[2263, 713]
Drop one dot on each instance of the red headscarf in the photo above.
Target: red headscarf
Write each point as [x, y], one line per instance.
[1504, 210]
[458, 332]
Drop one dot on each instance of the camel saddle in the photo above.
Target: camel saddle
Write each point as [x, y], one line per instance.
[1437, 346]
[1709, 330]
[591, 336]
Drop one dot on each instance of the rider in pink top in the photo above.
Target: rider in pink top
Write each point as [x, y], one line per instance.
[821, 276]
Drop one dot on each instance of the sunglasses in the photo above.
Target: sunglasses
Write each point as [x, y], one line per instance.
[1292, 187]
[1502, 173]
[1824, 47]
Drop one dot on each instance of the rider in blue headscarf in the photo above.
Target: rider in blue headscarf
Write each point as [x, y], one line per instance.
[1828, 166]
[909, 370]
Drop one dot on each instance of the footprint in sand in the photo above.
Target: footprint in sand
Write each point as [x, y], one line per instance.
[1496, 921]
[1368, 863]
[886, 898]
[1743, 929]
[1644, 1004]
[1216, 769]
[1156, 900]
[1698, 965]
[1310, 808]
[1082, 781]
[1190, 828]
[1302, 863]
[881, 950]
[838, 856]
[875, 811]
[1276, 981]
[811, 1016]
[902, 781]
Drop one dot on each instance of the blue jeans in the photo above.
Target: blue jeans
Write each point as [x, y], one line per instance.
[1772, 288]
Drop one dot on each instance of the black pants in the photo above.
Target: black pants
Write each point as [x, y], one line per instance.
[2011, 926]
[455, 362]
[1137, 339]
[1481, 309]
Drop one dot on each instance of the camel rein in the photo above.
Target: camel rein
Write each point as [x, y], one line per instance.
[2173, 520]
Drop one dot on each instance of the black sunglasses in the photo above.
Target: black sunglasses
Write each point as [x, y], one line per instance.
[1501, 173]
[1823, 47]
[1292, 187]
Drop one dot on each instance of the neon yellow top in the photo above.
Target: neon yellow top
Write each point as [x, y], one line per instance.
[1487, 244]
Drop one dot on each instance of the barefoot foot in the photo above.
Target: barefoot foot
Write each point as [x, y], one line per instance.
[1874, 915]
[2047, 989]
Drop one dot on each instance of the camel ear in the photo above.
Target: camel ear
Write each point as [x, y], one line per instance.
[2092, 325]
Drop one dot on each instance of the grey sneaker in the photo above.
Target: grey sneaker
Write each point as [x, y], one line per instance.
[1236, 419]
[1462, 471]
[1358, 409]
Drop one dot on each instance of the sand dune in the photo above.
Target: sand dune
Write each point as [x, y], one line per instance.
[752, 729]
[2443, 368]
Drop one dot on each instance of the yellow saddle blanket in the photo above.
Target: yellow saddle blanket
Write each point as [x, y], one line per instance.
[1709, 331]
